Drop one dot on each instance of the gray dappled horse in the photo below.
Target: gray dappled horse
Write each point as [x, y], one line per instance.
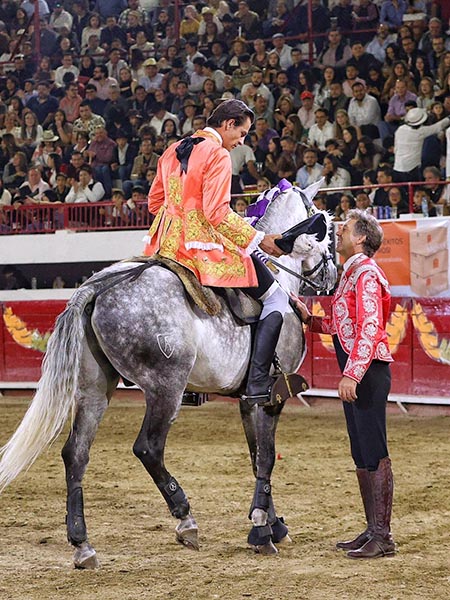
[145, 329]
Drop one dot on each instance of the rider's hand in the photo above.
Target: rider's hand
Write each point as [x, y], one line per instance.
[268, 245]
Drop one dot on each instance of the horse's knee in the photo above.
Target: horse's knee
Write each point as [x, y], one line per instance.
[141, 450]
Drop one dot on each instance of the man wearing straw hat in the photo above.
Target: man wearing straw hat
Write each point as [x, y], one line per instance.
[408, 143]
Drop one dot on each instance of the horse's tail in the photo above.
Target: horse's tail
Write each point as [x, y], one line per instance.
[56, 393]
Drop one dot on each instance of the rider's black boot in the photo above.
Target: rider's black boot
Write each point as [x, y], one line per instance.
[266, 338]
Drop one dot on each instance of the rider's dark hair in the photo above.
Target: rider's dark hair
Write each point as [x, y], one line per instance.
[366, 224]
[230, 109]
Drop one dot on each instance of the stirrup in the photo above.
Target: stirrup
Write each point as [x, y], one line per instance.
[259, 399]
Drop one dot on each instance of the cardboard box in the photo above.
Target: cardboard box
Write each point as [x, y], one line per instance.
[428, 240]
[426, 266]
[429, 286]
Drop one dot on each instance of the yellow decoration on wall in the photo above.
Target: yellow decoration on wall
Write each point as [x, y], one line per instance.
[325, 338]
[428, 337]
[396, 327]
[21, 334]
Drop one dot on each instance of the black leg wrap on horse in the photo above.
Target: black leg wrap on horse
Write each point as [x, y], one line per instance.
[176, 499]
[260, 536]
[262, 495]
[279, 530]
[76, 525]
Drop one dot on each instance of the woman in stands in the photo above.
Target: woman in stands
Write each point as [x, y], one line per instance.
[284, 107]
[127, 84]
[93, 28]
[425, 96]
[293, 127]
[15, 172]
[8, 147]
[323, 91]
[62, 128]
[335, 177]
[399, 71]
[273, 68]
[270, 168]
[31, 133]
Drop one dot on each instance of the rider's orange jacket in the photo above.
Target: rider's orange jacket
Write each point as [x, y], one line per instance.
[194, 224]
[360, 310]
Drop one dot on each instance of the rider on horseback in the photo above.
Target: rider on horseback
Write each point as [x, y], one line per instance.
[195, 226]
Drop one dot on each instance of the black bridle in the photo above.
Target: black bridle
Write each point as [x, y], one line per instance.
[305, 277]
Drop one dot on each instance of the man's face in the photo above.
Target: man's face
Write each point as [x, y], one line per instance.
[233, 135]
[43, 91]
[357, 50]
[431, 179]
[400, 88]
[100, 134]
[77, 160]
[85, 112]
[98, 74]
[67, 61]
[438, 45]
[321, 118]
[408, 45]
[347, 241]
[72, 91]
[358, 92]
[296, 57]
[257, 78]
[84, 178]
[383, 178]
[34, 176]
[260, 103]
[334, 38]
[310, 159]
[282, 80]
[362, 201]
[335, 90]
[146, 147]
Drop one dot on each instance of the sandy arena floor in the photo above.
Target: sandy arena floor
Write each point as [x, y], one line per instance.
[314, 487]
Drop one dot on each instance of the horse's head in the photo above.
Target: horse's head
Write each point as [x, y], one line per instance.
[283, 207]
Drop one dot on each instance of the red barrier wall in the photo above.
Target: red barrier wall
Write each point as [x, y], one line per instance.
[420, 334]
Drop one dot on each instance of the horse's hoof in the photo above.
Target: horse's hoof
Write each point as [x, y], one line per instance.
[266, 549]
[280, 532]
[284, 541]
[85, 557]
[188, 538]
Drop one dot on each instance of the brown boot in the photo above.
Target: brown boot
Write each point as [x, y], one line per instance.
[365, 488]
[381, 543]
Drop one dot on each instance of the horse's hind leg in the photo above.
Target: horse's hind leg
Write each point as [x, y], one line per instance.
[260, 425]
[91, 405]
[149, 448]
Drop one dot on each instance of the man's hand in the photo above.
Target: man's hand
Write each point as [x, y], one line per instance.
[268, 245]
[302, 309]
[347, 389]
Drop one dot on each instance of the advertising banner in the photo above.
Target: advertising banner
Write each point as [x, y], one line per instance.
[414, 256]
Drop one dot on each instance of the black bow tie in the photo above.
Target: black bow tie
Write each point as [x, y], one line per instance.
[183, 151]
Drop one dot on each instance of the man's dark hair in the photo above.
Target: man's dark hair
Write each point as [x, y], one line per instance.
[85, 103]
[230, 109]
[386, 169]
[103, 69]
[87, 168]
[366, 224]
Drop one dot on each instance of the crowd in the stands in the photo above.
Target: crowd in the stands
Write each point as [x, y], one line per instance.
[364, 101]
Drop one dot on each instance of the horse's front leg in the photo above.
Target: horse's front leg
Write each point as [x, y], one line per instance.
[162, 408]
[260, 425]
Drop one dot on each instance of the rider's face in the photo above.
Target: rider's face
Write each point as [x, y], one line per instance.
[233, 135]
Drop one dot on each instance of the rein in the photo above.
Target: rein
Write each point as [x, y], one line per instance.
[301, 277]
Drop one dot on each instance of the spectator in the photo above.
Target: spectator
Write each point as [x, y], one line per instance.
[100, 153]
[282, 50]
[15, 172]
[70, 104]
[351, 77]
[260, 56]
[102, 82]
[398, 204]
[85, 190]
[94, 50]
[264, 133]
[384, 178]
[115, 63]
[270, 169]
[293, 128]
[346, 203]
[190, 22]
[363, 202]
[116, 108]
[322, 91]
[284, 108]
[321, 131]
[61, 189]
[291, 158]
[337, 100]
[31, 132]
[110, 32]
[367, 156]
[364, 111]
[243, 168]
[145, 159]
[160, 115]
[306, 113]
[377, 47]
[87, 121]
[396, 109]
[311, 170]
[248, 20]
[335, 177]
[96, 104]
[31, 190]
[43, 105]
[361, 59]
[127, 85]
[435, 184]
[93, 28]
[66, 67]
[392, 12]
[153, 79]
[336, 52]
[189, 111]
[409, 140]
[256, 87]
[365, 16]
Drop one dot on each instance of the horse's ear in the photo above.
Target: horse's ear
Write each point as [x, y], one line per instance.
[312, 189]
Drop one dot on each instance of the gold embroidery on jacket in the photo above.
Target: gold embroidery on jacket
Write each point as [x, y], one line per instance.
[217, 269]
[198, 229]
[175, 189]
[234, 228]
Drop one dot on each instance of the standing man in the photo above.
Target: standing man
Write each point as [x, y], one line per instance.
[360, 311]
[196, 227]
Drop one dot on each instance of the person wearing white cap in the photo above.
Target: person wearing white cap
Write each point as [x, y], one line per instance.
[408, 143]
